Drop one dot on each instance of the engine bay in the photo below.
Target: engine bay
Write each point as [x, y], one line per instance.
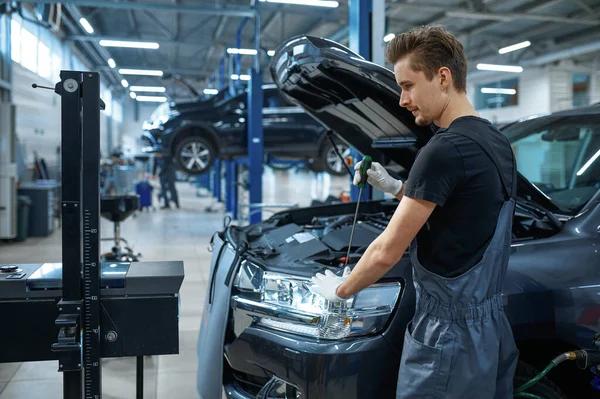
[317, 241]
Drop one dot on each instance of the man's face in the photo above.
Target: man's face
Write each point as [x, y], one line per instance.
[424, 98]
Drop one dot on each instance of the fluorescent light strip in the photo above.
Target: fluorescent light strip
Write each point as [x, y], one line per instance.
[146, 72]
[159, 99]
[86, 25]
[588, 163]
[128, 44]
[132, 95]
[125, 83]
[112, 63]
[211, 91]
[240, 77]
[271, 53]
[493, 90]
[500, 68]
[514, 47]
[152, 89]
[242, 51]
[389, 37]
[316, 3]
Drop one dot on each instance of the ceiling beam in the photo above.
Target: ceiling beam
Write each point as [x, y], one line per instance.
[527, 8]
[159, 25]
[493, 16]
[142, 5]
[161, 42]
[531, 34]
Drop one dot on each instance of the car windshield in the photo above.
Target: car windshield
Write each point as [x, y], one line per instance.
[560, 156]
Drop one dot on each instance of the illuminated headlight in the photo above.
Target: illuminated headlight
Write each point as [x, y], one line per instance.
[287, 304]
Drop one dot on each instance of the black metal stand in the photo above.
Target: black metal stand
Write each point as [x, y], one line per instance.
[139, 378]
[79, 308]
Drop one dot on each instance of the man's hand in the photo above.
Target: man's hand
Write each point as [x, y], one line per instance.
[379, 178]
[326, 284]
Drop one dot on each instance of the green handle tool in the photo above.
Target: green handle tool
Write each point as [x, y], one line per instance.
[364, 166]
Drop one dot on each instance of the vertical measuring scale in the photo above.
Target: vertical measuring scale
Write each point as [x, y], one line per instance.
[91, 235]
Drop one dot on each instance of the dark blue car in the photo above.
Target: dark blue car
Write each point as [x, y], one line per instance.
[264, 334]
[197, 132]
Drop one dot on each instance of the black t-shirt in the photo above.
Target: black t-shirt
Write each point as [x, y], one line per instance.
[455, 173]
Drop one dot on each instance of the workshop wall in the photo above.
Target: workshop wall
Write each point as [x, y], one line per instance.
[38, 56]
[533, 95]
[134, 115]
[38, 125]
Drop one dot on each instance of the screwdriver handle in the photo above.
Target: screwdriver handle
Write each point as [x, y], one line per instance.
[364, 166]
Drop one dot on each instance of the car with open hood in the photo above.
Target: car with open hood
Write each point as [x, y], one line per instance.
[264, 334]
[196, 132]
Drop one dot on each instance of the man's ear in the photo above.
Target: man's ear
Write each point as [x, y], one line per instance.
[445, 76]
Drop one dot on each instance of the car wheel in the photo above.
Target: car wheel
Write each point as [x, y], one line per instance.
[195, 155]
[544, 388]
[330, 162]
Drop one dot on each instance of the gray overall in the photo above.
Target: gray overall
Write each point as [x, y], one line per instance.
[459, 344]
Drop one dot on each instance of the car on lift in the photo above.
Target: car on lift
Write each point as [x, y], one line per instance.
[197, 132]
[264, 334]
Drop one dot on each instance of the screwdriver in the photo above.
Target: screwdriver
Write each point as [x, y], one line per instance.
[364, 166]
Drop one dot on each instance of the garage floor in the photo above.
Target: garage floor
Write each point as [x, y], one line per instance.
[176, 234]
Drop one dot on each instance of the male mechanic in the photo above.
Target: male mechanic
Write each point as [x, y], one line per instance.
[458, 203]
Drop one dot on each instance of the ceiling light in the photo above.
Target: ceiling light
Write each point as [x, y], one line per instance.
[389, 37]
[124, 82]
[240, 77]
[154, 99]
[243, 51]
[588, 163]
[317, 3]
[132, 95]
[147, 72]
[153, 89]
[121, 43]
[493, 90]
[271, 53]
[500, 68]
[514, 47]
[211, 91]
[86, 25]
[112, 63]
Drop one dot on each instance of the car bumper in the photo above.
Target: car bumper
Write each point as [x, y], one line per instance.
[149, 143]
[265, 363]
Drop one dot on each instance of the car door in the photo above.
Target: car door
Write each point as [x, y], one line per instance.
[231, 125]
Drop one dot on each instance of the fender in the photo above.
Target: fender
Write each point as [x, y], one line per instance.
[186, 125]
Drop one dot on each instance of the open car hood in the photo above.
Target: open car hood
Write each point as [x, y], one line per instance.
[355, 98]
[358, 100]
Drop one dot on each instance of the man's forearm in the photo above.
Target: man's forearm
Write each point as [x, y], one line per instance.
[372, 266]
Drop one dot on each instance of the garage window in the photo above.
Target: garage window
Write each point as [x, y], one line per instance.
[581, 89]
[497, 94]
[15, 40]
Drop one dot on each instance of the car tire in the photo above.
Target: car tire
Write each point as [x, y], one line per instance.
[544, 387]
[195, 155]
[329, 162]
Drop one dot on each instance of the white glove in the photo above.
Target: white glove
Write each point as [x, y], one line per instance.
[327, 284]
[379, 178]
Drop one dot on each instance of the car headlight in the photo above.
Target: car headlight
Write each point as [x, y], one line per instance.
[285, 302]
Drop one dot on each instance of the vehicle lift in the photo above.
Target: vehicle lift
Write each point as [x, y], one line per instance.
[83, 310]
